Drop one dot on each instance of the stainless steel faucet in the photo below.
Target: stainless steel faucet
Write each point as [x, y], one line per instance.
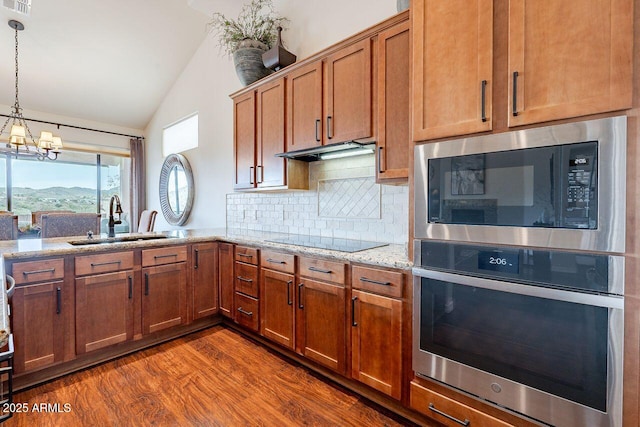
[112, 221]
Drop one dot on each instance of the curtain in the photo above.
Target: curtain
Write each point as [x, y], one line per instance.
[138, 191]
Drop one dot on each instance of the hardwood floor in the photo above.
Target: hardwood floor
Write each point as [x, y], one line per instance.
[215, 377]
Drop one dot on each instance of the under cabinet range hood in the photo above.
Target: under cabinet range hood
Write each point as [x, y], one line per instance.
[332, 151]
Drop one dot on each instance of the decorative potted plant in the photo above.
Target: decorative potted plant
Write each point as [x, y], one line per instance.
[248, 36]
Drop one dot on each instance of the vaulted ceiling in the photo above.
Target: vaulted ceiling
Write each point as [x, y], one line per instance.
[106, 61]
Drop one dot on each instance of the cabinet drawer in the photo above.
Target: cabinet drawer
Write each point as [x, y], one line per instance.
[443, 409]
[248, 255]
[277, 261]
[247, 279]
[104, 263]
[166, 255]
[247, 311]
[379, 281]
[331, 271]
[38, 271]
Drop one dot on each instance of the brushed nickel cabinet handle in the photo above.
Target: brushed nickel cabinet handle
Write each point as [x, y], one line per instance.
[447, 416]
[514, 98]
[196, 253]
[245, 255]
[48, 270]
[353, 311]
[101, 264]
[300, 306]
[246, 313]
[244, 279]
[165, 256]
[318, 121]
[329, 134]
[130, 287]
[483, 96]
[275, 261]
[289, 283]
[375, 282]
[58, 300]
[320, 270]
[146, 283]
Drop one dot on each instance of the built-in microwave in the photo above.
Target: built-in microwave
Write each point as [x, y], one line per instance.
[559, 186]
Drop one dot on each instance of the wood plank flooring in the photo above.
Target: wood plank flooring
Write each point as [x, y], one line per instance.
[216, 377]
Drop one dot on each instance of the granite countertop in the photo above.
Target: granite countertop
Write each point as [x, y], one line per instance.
[393, 256]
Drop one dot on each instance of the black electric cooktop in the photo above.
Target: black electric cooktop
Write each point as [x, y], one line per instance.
[331, 243]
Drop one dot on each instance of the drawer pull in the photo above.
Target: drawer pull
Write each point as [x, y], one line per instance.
[165, 256]
[130, 287]
[100, 264]
[514, 100]
[275, 261]
[246, 313]
[353, 311]
[197, 256]
[454, 419]
[48, 270]
[320, 270]
[375, 282]
[146, 283]
[244, 279]
[245, 255]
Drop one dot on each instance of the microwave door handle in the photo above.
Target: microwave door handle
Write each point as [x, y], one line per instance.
[607, 301]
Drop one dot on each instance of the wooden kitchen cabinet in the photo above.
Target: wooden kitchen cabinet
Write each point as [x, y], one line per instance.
[569, 59]
[270, 170]
[393, 136]
[320, 314]
[226, 261]
[104, 310]
[448, 411]
[40, 314]
[452, 67]
[304, 107]
[347, 94]
[244, 138]
[164, 275]
[376, 329]
[204, 279]
[277, 309]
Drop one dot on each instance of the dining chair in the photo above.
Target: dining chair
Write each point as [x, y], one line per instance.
[69, 224]
[37, 215]
[8, 226]
[147, 221]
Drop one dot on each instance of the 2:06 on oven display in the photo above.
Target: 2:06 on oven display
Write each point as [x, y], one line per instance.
[502, 261]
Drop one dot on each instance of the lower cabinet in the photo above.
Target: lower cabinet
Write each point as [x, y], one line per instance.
[277, 312]
[376, 329]
[321, 323]
[448, 411]
[204, 279]
[226, 278]
[164, 283]
[104, 310]
[247, 311]
[40, 313]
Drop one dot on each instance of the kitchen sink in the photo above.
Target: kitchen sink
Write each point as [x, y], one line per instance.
[107, 240]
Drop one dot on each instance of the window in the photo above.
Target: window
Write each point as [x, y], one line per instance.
[77, 181]
[180, 136]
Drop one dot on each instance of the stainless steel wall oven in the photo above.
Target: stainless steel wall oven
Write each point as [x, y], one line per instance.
[518, 273]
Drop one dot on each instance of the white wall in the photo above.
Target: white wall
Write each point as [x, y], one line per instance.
[207, 81]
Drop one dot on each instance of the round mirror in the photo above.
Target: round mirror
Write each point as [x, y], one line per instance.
[176, 189]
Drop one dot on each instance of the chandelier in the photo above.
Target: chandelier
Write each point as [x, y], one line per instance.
[47, 147]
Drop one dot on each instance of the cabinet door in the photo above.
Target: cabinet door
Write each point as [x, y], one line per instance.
[393, 137]
[276, 307]
[348, 94]
[376, 342]
[104, 310]
[244, 138]
[452, 67]
[304, 107]
[164, 300]
[270, 170]
[322, 324]
[204, 280]
[226, 278]
[38, 324]
[572, 58]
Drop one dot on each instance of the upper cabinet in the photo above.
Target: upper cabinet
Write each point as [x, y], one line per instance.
[304, 107]
[555, 60]
[244, 136]
[270, 170]
[452, 67]
[568, 58]
[393, 135]
[347, 93]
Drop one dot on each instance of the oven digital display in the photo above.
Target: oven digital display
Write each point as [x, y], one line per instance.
[502, 261]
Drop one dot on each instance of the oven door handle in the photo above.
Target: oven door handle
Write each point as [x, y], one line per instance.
[608, 301]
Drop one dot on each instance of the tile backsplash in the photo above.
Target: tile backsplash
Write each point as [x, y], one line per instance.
[343, 201]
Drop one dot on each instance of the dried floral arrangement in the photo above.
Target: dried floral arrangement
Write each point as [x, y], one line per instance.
[257, 21]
